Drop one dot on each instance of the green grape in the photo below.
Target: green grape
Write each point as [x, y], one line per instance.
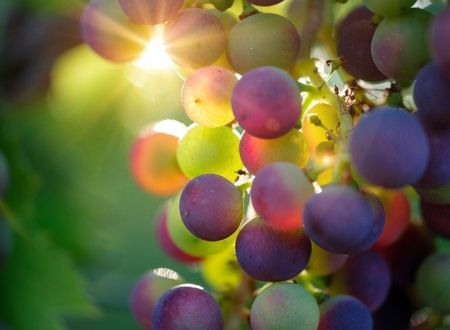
[222, 271]
[388, 8]
[323, 262]
[284, 306]
[206, 150]
[185, 240]
[263, 40]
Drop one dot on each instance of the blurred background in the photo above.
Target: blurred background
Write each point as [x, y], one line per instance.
[75, 230]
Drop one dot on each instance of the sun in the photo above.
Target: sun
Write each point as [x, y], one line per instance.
[154, 55]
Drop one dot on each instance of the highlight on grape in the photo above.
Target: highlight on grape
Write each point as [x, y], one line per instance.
[313, 178]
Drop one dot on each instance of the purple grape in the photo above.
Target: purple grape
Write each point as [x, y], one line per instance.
[354, 46]
[389, 148]
[266, 102]
[360, 13]
[378, 226]
[440, 35]
[344, 313]
[432, 96]
[187, 307]
[148, 289]
[270, 255]
[211, 207]
[4, 174]
[339, 219]
[150, 12]
[279, 193]
[436, 217]
[437, 173]
[365, 276]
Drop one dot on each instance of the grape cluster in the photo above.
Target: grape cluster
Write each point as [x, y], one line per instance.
[316, 173]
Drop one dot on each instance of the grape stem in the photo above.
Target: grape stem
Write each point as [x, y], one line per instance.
[247, 10]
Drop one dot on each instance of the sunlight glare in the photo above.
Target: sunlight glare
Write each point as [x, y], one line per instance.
[154, 55]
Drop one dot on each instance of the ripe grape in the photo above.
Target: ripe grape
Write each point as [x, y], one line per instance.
[400, 44]
[437, 173]
[211, 207]
[379, 219]
[263, 40]
[397, 215]
[206, 96]
[432, 96]
[440, 34]
[110, 33]
[185, 240]
[365, 276]
[389, 148]
[433, 281]
[187, 307]
[271, 255]
[166, 242]
[150, 12]
[206, 150]
[314, 134]
[284, 306]
[148, 289]
[257, 153]
[436, 217]
[354, 46]
[4, 174]
[266, 102]
[153, 160]
[324, 263]
[195, 38]
[389, 8]
[279, 193]
[360, 13]
[339, 219]
[265, 2]
[344, 313]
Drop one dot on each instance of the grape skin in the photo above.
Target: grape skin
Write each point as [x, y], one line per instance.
[265, 2]
[360, 13]
[384, 151]
[344, 313]
[339, 219]
[187, 307]
[365, 276]
[389, 8]
[279, 193]
[148, 289]
[284, 306]
[440, 34]
[211, 207]
[195, 38]
[150, 12]
[266, 102]
[263, 40]
[270, 255]
[324, 263]
[110, 33]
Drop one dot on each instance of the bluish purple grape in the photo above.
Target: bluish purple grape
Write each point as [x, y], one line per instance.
[365, 276]
[437, 173]
[266, 102]
[354, 46]
[389, 148]
[440, 35]
[344, 313]
[148, 289]
[284, 306]
[378, 225]
[211, 207]
[339, 219]
[432, 96]
[187, 307]
[270, 255]
[360, 13]
[436, 217]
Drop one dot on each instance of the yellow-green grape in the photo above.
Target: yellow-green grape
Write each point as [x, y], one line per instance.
[222, 271]
[323, 262]
[315, 134]
[206, 150]
[185, 240]
[206, 96]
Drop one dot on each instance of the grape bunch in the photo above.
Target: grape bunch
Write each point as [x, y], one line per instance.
[312, 188]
